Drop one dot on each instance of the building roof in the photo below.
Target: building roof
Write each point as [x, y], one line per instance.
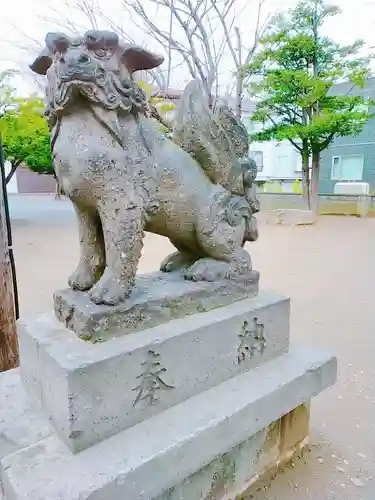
[349, 88]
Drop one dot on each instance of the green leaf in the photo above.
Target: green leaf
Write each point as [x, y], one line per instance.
[298, 68]
[25, 135]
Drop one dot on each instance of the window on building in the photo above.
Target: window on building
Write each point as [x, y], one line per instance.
[347, 168]
[281, 161]
[298, 162]
[257, 156]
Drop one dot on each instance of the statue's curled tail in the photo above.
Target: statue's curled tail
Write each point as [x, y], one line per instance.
[220, 144]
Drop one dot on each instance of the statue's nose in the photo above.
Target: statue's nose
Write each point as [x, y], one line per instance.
[75, 59]
[83, 58]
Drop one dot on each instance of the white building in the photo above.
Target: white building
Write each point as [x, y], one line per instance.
[12, 186]
[278, 162]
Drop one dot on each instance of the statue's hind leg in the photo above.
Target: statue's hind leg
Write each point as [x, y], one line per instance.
[226, 259]
[179, 260]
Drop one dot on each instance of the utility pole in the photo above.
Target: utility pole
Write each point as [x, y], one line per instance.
[9, 356]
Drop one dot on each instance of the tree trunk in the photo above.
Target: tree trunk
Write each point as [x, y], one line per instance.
[306, 178]
[315, 163]
[57, 193]
[315, 166]
[239, 91]
[8, 334]
[14, 165]
[239, 76]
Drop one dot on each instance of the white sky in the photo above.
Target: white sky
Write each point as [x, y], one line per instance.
[20, 19]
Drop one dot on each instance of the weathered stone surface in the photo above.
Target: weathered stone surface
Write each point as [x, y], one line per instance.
[20, 423]
[125, 177]
[91, 391]
[230, 475]
[291, 217]
[294, 427]
[208, 432]
[156, 299]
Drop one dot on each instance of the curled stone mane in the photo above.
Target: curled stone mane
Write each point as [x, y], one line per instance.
[107, 90]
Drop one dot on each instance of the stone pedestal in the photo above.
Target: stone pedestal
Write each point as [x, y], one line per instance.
[196, 408]
[157, 298]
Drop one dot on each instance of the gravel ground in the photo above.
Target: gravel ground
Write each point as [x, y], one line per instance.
[329, 272]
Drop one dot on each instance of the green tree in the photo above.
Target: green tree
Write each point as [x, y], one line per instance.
[297, 68]
[6, 90]
[26, 136]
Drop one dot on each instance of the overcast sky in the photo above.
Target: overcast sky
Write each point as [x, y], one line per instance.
[20, 19]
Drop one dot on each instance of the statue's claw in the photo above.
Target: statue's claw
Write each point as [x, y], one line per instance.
[109, 290]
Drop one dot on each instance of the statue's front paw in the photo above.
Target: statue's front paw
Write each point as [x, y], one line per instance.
[109, 290]
[83, 278]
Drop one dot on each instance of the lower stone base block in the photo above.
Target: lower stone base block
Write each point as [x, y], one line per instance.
[229, 476]
[211, 446]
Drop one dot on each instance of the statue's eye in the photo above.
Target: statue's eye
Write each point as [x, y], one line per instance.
[103, 53]
[100, 53]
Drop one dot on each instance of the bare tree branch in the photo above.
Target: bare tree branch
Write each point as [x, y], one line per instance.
[260, 29]
[199, 37]
[194, 55]
[160, 34]
[222, 18]
[196, 19]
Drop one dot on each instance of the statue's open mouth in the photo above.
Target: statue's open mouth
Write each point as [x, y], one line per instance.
[77, 77]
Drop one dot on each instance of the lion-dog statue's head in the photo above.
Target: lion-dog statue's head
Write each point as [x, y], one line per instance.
[96, 67]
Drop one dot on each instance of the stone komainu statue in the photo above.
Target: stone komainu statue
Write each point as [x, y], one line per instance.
[124, 177]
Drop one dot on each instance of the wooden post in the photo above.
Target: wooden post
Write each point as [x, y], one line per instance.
[9, 357]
